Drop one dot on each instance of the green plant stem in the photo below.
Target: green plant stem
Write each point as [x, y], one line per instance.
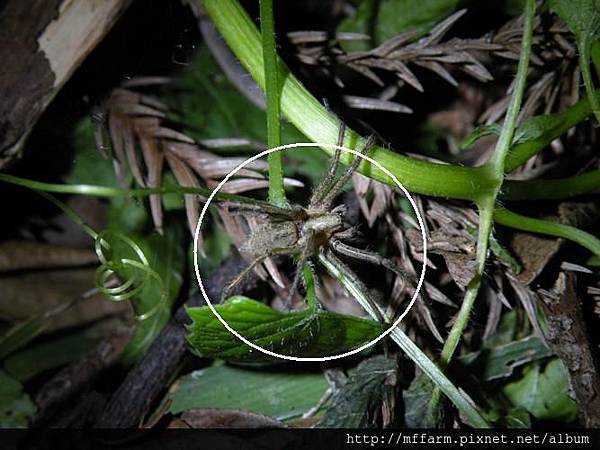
[272, 91]
[487, 203]
[110, 192]
[497, 161]
[519, 222]
[460, 400]
[554, 189]
[320, 125]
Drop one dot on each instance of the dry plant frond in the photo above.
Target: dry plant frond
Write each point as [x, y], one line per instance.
[396, 54]
[142, 139]
[554, 75]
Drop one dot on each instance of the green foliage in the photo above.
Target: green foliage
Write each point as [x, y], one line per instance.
[16, 408]
[505, 256]
[166, 256]
[385, 19]
[213, 108]
[542, 391]
[89, 167]
[310, 332]
[581, 16]
[52, 353]
[420, 412]
[128, 216]
[494, 362]
[583, 19]
[26, 331]
[352, 406]
[277, 394]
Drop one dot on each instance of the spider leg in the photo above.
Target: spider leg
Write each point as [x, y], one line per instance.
[376, 310]
[339, 184]
[239, 277]
[289, 213]
[324, 186]
[370, 257]
[348, 233]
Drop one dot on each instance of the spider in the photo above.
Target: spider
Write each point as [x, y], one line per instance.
[304, 232]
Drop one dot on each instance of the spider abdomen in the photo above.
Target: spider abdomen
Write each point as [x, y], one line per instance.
[272, 238]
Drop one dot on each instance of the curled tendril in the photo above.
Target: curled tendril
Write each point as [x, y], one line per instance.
[112, 268]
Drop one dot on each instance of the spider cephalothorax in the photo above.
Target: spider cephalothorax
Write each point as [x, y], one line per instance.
[304, 232]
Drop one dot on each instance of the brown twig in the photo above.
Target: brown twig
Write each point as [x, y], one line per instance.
[568, 337]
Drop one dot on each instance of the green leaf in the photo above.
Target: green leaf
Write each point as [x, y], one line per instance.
[24, 332]
[300, 333]
[57, 352]
[213, 108]
[89, 167]
[419, 412]
[479, 132]
[542, 390]
[387, 18]
[583, 18]
[505, 256]
[352, 406]
[276, 394]
[166, 256]
[495, 362]
[16, 408]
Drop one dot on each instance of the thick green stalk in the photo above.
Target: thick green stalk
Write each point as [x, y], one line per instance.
[272, 91]
[320, 125]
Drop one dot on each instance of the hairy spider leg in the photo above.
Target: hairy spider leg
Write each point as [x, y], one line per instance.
[324, 186]
[370, 257]
[233, 283]
[287, 213]
[339, 184]
[349, 273]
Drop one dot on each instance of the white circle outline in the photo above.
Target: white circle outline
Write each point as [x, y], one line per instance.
[321, 358]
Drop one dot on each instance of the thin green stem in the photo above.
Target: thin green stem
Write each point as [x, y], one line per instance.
[487, 202]
[460, 400]
[554, 189]
[497, 161]
[109, 192]
[519, 222]
[272, 91]
[486, 212]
